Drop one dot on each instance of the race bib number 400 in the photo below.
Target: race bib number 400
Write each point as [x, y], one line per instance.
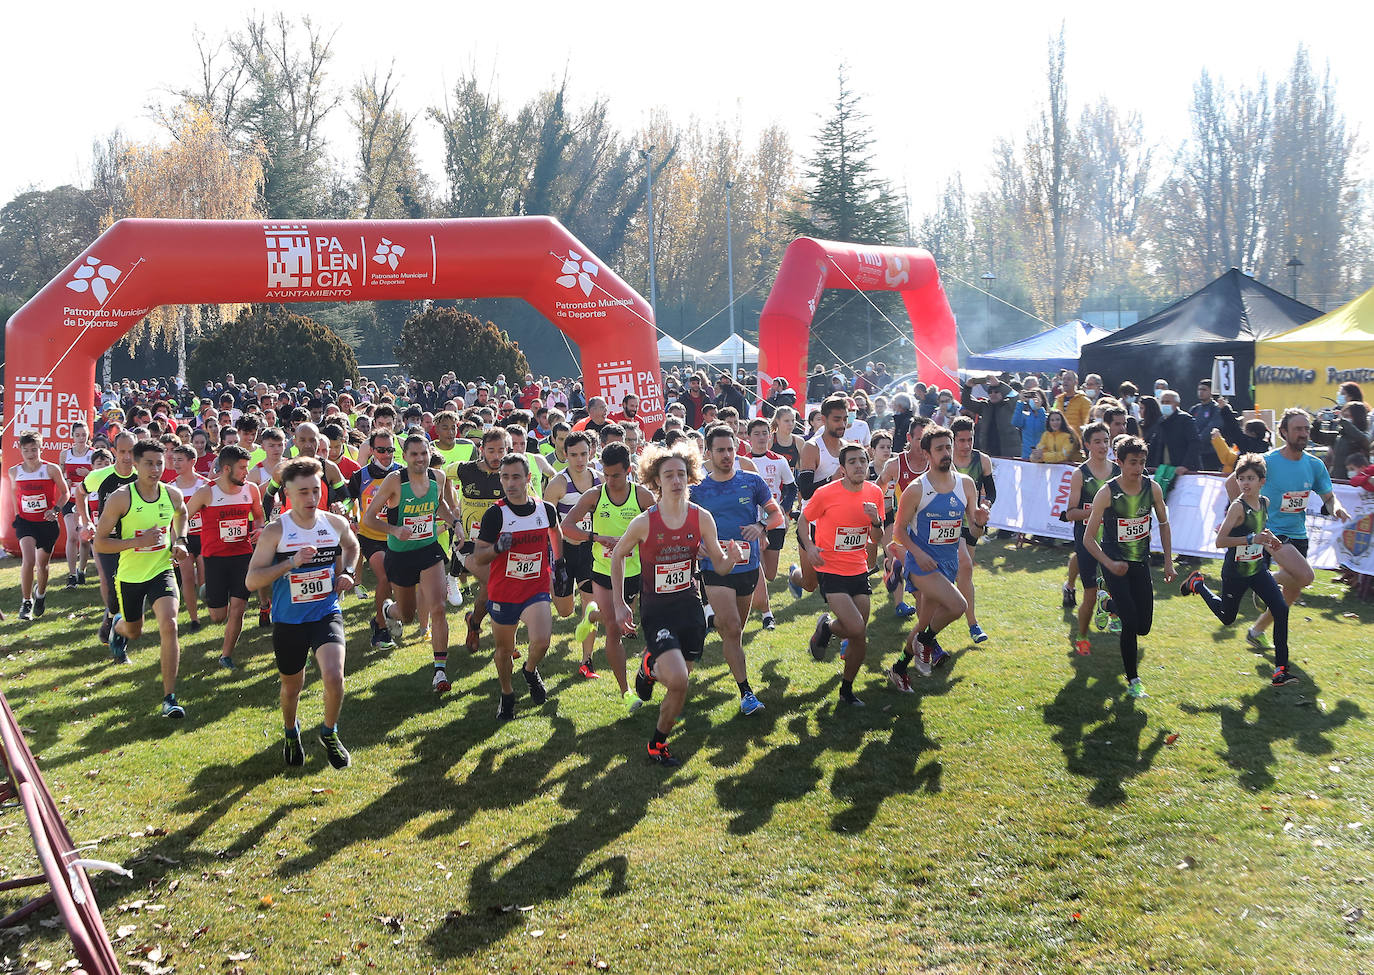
[851, 539]
[310, 586]
[233, 530]
[524, 565]
[673, 577]
[1293, 502]
[1133, 529]
[945, 531]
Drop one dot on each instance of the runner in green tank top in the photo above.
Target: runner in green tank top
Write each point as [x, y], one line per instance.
[1087, 480]
[1124, 509]
[612, 505]
[446, 444]
[1249, 546]
[978, 466]
[145, 522]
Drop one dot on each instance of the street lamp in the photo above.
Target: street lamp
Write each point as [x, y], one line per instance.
[988, 278]
[646, 154]
[730, 273]
[1293, 265]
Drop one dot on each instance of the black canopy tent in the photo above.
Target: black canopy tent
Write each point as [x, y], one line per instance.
[1178, 344]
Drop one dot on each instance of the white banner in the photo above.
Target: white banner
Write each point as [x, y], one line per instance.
[1030, 497]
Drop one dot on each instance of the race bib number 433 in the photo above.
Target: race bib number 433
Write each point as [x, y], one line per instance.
[673, 577]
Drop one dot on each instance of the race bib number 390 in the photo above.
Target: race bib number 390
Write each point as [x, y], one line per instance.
[673, 577]
[851, 539]
[310, 586]
[1133, 529]
[945, 531]
[1293, 502]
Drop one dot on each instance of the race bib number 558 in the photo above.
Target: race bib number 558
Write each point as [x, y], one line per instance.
[1133, 529]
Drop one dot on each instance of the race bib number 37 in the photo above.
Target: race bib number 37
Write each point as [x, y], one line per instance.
[1133, 529]
[851, 539]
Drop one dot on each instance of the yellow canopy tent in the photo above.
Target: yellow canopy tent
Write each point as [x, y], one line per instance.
[1305, 366]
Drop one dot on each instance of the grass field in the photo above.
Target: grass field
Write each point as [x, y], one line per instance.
[1018, 814]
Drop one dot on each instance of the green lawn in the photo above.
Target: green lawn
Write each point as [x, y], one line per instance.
[1018, 814]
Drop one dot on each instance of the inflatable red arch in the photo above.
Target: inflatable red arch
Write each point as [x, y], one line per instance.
[55, 340]
[811, 266]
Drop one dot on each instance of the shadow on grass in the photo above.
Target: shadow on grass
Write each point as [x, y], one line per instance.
[1100, 727]
[1252, 726]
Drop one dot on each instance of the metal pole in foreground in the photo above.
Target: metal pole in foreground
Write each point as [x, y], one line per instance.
[647, 156]
[730, 275]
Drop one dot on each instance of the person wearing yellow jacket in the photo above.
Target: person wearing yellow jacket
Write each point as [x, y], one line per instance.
[1058, 445]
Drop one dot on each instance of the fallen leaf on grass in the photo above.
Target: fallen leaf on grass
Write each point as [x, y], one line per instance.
[240, 955]
[537, 933]
[389, 922]
[600, 964]
[1353, 915]
[1349, 616]
[92, 773]
[316, 792]
[1333, 768]
[124, 930]
[1266, 808]
[265, 900]
[1187, 863]
[464, 844]
[1171, 739]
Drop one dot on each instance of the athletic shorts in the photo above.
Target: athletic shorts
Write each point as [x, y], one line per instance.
[226, 578]
[293, 643]
[679, 625]
[108, 563]
[743, 583]
[1089, 569]
[43, 533]
[136, 598]
[193, 545]
[949, 569]
[403, 566]
[967, 536]
[631, 584]
[508, 614]
[579, 561]
[777, 538]
[1298, 543]
[842, 585]
[371, 546]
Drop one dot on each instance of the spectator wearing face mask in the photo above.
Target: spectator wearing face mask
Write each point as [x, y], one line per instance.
[1030, 417]
[1173, 441]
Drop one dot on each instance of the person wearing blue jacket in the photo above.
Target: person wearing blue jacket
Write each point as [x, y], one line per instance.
[1030, 417]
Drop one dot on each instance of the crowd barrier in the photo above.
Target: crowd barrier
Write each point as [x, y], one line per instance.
[1030, 497]
[62, 868]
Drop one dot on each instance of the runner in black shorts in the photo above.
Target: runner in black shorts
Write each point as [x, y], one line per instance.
[564, 491]
[667, 538]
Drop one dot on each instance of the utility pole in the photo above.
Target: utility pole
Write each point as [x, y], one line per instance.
[730, 275]
[647, 155]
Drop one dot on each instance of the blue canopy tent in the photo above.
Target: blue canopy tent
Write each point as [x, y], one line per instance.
[1048, 351]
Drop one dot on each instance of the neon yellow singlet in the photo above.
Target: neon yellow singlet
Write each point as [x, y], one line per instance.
[609, 518]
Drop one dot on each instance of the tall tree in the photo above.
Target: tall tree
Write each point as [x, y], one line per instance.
[41, 231]
[390, 183]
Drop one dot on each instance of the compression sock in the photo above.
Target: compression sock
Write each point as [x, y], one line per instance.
[659, 737]
[744, 688]
[902, 663]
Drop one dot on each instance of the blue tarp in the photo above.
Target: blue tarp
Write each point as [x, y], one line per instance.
[1049, 351]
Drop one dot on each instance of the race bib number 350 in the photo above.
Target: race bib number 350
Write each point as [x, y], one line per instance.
[673, 577]
[945, 531]
[1133, 529]
[1293, 502]
[851, 539]
[311, 585]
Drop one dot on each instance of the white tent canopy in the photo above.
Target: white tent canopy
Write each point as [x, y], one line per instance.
[733, 349]
[671, 350]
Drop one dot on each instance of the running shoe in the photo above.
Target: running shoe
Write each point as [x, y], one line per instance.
[264, 619]
[1135, 688]
[193, 626]
[938, 658]
[1100, 613]
[71, 581]
[381, 637]
[900, 681]
[644, 679]
[904, 611]
[820, 637]
[659, 753]
[769, 623]
[922, 659]
[105, 627]
[1260, 641]
[393, 624]
[1083, 647]
[291, 751]
[584, 629]
[171, 708]
[505, 711]
[81, 577]
[1189, 586]
[119, 643]
[440, 683]
[424, 636]
[334, 749]
[1283, 675]
[26, 610]
[454, 592]
[852, 700]
[792, 587]
[227, 663]
[1070, 597]
[474, 636]
[1113, 623]
[586, 672]
[538, 692]
[40, 605]
[976, 634]
[748, 704]
[892, 578]
[631, 699]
